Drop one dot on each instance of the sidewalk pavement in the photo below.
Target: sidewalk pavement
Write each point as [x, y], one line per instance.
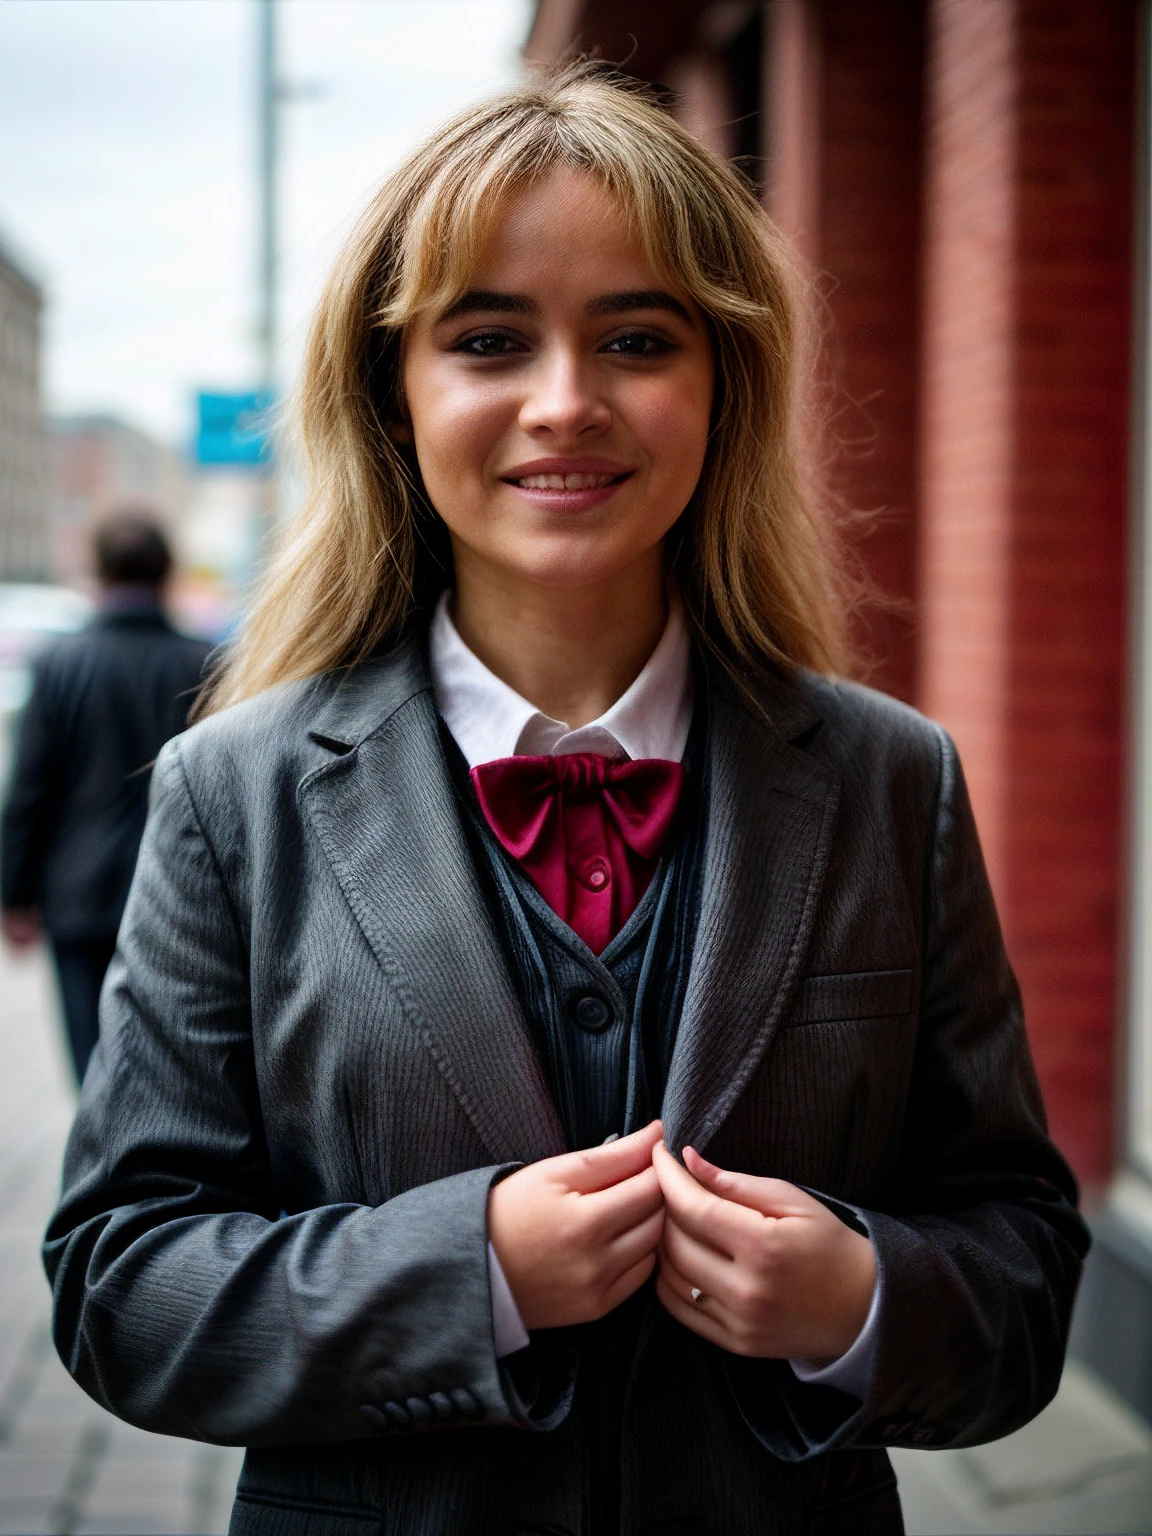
[66, 1465]
[1084, 1466]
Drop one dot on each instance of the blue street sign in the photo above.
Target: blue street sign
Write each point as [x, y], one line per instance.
[234, 429]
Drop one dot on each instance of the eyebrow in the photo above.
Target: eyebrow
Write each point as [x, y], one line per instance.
[642, 298]
[488, 301]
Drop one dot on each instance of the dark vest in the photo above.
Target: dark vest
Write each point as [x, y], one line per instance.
[604, 1028]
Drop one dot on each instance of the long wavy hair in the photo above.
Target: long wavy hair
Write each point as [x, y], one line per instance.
[755, 555]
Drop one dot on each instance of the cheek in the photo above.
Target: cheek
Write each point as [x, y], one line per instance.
[672, 425]
[455, 428]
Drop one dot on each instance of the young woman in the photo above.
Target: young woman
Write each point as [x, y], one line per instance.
[530, 852]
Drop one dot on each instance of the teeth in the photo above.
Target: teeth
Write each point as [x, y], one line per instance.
[564, 482]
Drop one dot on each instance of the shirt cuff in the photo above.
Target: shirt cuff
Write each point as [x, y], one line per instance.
[508, 1330]
[852, 1371]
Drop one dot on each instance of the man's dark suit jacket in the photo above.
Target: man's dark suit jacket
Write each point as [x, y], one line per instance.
[103, 703]
[313, 1064]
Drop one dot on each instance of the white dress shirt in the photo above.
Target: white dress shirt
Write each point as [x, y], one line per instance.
[488, 720]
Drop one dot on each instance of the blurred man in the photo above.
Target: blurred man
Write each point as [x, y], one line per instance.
[103, 703]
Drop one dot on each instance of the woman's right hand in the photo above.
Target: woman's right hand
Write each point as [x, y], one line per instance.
[577, 1234]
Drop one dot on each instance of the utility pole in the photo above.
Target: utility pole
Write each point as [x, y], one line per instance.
[269, 154]
[268, 102]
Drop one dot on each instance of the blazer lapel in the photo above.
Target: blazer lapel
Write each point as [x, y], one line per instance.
[385, 814]
[770, 815]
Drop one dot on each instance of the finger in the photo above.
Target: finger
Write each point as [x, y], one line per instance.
[630, 1247]
[601, 1167]
[686, 1283]
[624, 1205]
[716, 1221]
[771, 1197]
[699, 1264]
[630, 1281]
[696, 1318]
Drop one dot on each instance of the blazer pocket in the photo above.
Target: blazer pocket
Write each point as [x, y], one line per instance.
[857, 995]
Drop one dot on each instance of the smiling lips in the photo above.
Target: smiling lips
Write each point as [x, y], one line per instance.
[574, 482]
[570, 486]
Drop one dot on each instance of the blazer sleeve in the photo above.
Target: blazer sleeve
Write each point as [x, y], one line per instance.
[33, 797]
[185, 1301]
[979, 1255]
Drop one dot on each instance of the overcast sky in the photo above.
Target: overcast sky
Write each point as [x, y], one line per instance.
[127, 170]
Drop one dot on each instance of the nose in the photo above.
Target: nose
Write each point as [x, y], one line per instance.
[563, 398]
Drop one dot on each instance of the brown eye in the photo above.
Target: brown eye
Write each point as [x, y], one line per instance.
[637, 344]
[487, 344]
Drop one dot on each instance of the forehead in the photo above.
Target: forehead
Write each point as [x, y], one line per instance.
[566, 230]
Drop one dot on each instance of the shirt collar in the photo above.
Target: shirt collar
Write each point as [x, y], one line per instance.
[489, 720]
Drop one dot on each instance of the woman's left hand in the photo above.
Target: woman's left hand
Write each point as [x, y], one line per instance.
[781, 1276]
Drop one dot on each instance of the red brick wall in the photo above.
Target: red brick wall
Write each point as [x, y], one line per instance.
[1024, 501]
[968, 449]
[845, 146]
[870, 223]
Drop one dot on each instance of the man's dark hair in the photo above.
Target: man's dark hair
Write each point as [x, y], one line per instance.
[130, 548]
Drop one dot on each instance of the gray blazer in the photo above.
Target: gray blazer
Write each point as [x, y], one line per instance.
[313, 1063]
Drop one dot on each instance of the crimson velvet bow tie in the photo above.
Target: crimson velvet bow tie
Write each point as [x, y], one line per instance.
[587, 830]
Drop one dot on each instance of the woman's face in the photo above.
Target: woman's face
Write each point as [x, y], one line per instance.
[560, 409]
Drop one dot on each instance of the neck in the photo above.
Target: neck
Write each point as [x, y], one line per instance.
[129, 597]
[572, 651]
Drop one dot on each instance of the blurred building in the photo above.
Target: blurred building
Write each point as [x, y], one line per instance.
[968, 179]
[23, 502]
[96, 464]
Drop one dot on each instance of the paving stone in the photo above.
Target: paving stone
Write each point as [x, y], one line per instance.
[45, 1438]
[1081, 1468]
[19, 1517]
[137, 1478]
[28, 1476]
[147, 1520]
[216, 1472]
[1084, 1436]
[143, 1450]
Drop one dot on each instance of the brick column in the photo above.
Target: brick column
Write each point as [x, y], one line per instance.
[844, 95]
[1027, 323]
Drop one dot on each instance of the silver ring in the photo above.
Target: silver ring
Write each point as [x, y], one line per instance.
[697, 1295]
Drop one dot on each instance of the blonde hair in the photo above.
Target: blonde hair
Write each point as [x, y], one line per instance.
[753, 554]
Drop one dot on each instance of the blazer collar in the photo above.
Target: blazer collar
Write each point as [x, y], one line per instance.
[353, 702]
[771, 810]
[385, 813]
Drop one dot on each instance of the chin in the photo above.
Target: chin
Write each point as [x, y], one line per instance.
[573, 570]
[584, 561]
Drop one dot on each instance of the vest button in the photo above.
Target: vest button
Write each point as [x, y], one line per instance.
[592, 1013]
[596, 875]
